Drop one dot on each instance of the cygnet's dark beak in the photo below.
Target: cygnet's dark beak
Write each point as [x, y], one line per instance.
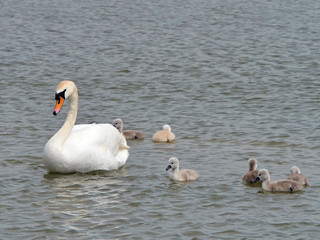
[257, 179]
[169, 167]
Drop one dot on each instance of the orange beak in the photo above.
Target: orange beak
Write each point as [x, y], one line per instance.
[58, 106]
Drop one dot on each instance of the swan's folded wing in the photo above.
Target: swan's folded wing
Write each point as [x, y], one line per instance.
[96, 136]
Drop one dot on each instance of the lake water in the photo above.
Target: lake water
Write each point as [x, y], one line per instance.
[234, 79]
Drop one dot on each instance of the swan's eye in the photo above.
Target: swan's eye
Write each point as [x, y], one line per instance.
[60, 94]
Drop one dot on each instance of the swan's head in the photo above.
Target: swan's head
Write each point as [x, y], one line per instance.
[118, 124]
[173, 164]
[263, 175]
[252, 164]
[166, 127]
[295, 170]
[64, 90]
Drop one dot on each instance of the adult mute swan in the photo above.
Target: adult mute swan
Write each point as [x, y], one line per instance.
[84, 147]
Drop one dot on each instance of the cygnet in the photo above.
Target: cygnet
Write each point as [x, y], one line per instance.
[277, 186]
[164, 135]
[297, 176]
[252, 173]
[180, 175]
[128, 134]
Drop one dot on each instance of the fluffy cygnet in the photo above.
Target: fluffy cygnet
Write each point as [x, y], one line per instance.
[128, 134]
[180, 175]
[277, 186]
[164, 135]
[297, 176]
[252, 173]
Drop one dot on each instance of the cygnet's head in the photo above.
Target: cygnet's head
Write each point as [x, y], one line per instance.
[295, 170]
[118, 124]
[166, 127]
[263, 175]
[173, 164]
[252, 164]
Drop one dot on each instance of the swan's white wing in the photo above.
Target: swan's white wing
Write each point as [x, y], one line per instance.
[95, 146]
[95, 136]
[82, 126]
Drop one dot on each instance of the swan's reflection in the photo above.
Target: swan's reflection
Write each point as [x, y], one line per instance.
[78, 196]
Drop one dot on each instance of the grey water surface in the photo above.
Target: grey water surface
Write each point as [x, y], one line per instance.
[234, 79]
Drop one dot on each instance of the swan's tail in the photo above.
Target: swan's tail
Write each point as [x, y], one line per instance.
[123, 147]
[122, 155]
[123, 152]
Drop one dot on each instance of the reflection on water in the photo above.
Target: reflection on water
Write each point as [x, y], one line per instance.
[176, 186]
[78, 197]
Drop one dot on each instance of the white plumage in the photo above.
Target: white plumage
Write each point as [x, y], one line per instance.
[84, 147]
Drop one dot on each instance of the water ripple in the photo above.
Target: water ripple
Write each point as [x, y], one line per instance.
[234, 81]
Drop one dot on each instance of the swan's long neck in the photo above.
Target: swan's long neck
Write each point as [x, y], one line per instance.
[62, 135]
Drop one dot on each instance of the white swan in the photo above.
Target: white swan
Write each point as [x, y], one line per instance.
[84, 147]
